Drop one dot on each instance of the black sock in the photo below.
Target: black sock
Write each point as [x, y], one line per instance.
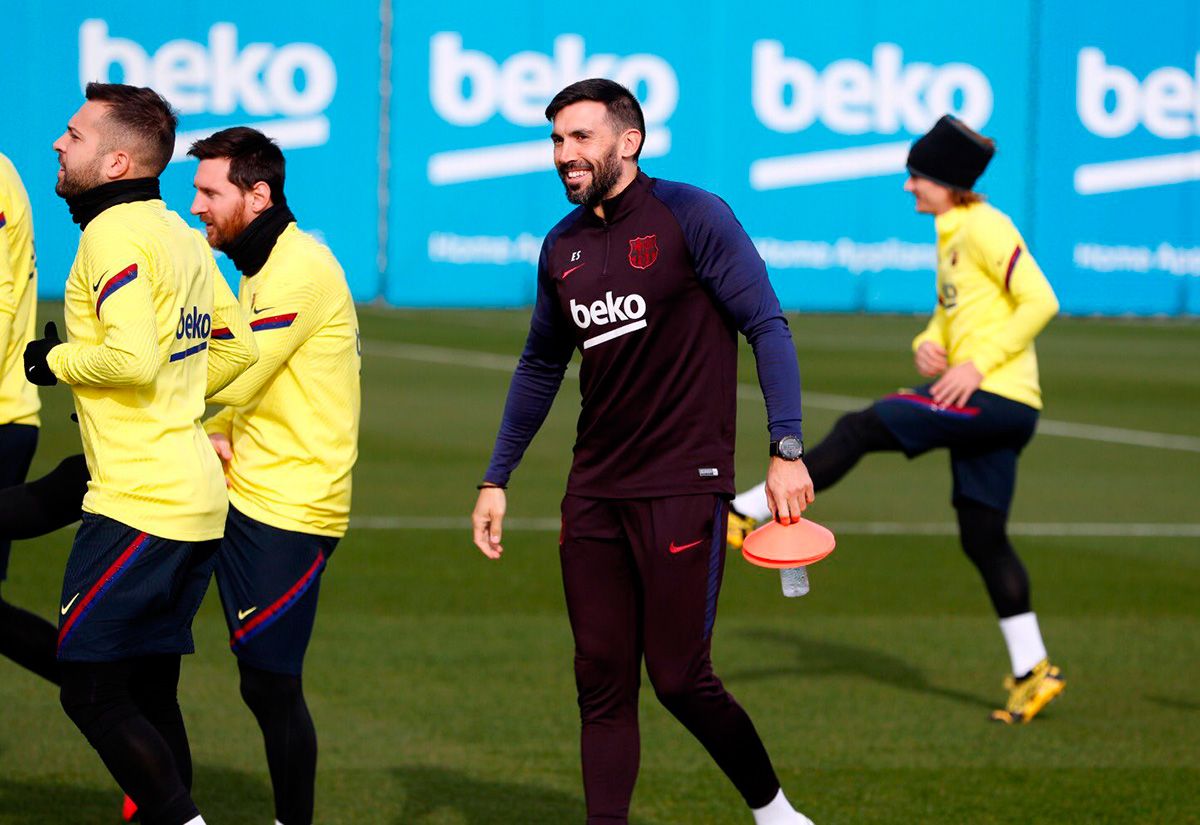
[97, 698]
[277, 702]
[29, 640]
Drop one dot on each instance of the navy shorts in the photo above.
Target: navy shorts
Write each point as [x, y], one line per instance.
[985, 436]
[128, 594]
[17, 445]
[269, 580]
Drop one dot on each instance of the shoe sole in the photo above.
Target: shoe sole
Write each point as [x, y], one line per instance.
[1044, 697]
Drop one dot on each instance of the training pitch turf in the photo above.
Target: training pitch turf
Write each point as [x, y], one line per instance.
[441, 682]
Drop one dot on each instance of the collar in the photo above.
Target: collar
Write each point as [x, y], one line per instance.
[951, 220]
[624, 202]
[87, 205]
[251, 248]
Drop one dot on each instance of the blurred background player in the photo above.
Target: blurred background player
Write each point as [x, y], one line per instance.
[652, 281]
[289, 438]
[25, 638]
[139, 305]
[992, 301]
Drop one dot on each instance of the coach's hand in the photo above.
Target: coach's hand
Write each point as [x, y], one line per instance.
[224, 449]
[930, 359]
[488, 519]
[37, 371]
[789, 489]
[954, 388]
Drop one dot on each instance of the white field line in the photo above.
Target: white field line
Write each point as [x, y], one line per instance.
[819, 400]
[846, 528]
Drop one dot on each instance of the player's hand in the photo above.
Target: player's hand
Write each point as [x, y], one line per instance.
[789, 489]
[37, 371]
[955, 386]
[223, 448]
[488, 519]
[930, 359]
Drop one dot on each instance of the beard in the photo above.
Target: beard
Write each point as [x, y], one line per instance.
[77, 181]
[221, 234]
[605, 175]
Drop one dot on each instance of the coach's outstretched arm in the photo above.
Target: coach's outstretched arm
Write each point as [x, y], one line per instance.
[531, 393]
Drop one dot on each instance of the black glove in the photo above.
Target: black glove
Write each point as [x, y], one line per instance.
[37, 371]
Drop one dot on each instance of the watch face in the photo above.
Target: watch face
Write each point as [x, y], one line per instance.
[790, 447]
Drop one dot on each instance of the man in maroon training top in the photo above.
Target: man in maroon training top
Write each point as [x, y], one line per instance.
[651, 281]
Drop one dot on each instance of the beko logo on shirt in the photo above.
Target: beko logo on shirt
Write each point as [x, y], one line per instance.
[195, 324]
[295, 82]
[1166, 102]
[851, 97]
[468, 87]
[626, 309]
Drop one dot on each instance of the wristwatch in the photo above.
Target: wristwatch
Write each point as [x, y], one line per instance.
[789, 448]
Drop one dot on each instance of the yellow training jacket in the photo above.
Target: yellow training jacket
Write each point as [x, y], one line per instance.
[18, 299]
[292, 418]
[993, 300]
[140, 302]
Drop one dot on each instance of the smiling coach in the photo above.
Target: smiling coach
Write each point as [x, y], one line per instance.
[651, 281]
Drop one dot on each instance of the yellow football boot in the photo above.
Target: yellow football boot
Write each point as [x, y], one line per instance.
[1026, 697]
[739, 527]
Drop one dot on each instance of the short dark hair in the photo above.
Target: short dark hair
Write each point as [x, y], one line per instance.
[142, 113]
[253, 157]
[624, 111]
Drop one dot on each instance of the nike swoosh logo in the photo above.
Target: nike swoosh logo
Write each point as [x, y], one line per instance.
[569, 271]
[242, 614]
[67, 606]
[679, 548]
[255, 309]
[96, 286]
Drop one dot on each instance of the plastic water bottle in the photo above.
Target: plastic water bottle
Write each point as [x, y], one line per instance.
[795, 581]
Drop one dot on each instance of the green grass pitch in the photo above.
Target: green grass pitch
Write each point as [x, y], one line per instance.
[441, 682]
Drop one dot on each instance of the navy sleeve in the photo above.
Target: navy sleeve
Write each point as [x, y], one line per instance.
[730, 267]
[535, 382]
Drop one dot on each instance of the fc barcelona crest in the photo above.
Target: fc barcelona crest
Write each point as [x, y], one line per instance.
[643, 251]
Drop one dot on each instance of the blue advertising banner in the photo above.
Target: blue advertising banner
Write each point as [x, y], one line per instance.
[1117, 169]
[800, 116]
[307, 78]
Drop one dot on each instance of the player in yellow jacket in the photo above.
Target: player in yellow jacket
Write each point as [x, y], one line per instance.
[25, 638]
[139, 304]
[288, 435]
[992, 301]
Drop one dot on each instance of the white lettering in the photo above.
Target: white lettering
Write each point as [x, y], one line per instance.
[1111, 102]
[851, 97]
[611, 310]
[295, 80]
[468, 87]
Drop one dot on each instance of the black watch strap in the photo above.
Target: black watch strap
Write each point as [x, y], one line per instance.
[789, 448]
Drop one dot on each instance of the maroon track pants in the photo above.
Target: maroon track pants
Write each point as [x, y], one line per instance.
[641, 578]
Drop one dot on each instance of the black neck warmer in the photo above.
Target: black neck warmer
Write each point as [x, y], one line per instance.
[251, 248]
[87, 205]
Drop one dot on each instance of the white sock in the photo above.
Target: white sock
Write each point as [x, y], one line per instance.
[1024, 640]
[753, 503]
[779, 812]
